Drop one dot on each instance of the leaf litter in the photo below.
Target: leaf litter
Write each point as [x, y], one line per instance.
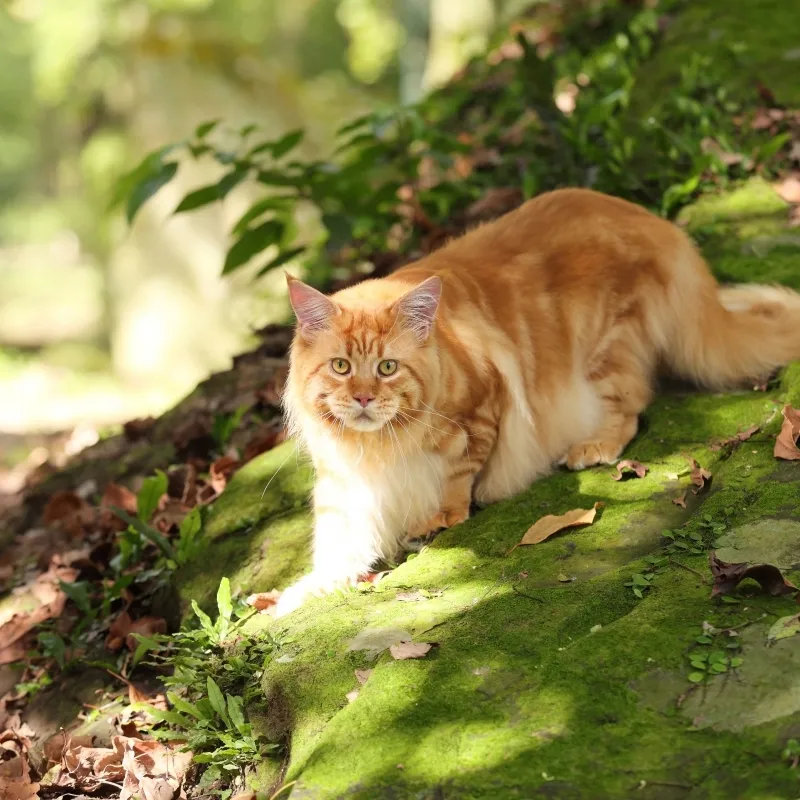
[700, 478]
[786, 447]
[630, 469]
[550, 524]
[727, 577]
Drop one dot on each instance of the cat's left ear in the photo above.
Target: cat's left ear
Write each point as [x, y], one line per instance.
[419, 306]
[312, 309]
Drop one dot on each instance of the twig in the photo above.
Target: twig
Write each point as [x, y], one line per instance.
[674, 784]
[522, 594]
[282, 789]
[689, 569]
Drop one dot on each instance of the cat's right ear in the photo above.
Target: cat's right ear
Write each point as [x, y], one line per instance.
[312, 309]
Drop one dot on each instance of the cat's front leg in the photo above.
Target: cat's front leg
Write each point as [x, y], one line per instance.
[465, 454]
[346, 546]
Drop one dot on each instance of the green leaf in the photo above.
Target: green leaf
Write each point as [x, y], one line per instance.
[146, 644]
[171, 717]
[703, 639]
[151, 534]
[768, 150]
[638, 592]
[251, 242]
[150, 494]
[784, 627]
[225, 607]
[286, 143]
[187, 535]
[281, 259]
[276, 203]
[146, 188]
[205, 620]
[217, 700]
[201, 131]
[696, 677]
[52, 645]
[79, 594]
[236, 713]
[737, 661]
[198, 198]
[184, 705]
[718, 668]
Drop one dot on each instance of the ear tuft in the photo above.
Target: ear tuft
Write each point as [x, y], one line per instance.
[419, 307]
[312, 309]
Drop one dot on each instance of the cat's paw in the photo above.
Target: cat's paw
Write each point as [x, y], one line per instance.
[589, 454]
[298, 593]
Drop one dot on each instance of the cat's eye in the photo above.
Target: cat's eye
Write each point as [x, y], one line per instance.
[387, 367]
[341, 366]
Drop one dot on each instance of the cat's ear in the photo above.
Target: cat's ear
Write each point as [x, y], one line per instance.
[312, 309]
[418, 307]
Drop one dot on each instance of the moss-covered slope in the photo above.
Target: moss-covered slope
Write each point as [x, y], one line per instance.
[551, 678]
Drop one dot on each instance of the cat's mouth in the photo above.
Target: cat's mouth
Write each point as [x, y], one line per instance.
[364, 420]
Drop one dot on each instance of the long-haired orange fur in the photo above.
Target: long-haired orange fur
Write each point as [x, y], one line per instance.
[530, 341]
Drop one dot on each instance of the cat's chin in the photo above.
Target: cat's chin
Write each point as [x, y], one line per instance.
[364, 423]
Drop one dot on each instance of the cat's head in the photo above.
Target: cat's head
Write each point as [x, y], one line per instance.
[363, 358]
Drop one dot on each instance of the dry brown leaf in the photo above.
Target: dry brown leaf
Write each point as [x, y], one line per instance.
[261, 601]
[728, 576]
[735, 440]
[170, 516]
[700, 477]
[405, 650]
[124, 626]
[362, 675]
[786, 443]
[680, 500]
[15, 772]
[40, 601]
[249, 795]
[220, 472]
[548, 525]
[69, 511]
[789, 189]
[630, 469]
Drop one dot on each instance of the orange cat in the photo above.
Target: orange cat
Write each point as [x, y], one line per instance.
[530, 341]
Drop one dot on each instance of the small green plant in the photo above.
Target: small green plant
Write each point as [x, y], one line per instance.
[791, 753]
[641, 582]
[214, 676]
[683, 541]
[225, 426]
[713, 652]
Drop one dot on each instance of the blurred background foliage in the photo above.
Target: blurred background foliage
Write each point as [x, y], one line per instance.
[98, 321]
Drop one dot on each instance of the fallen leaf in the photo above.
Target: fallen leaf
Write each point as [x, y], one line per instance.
[69, 511]
[124, 627]
[784, 628]
[220, 472]
[15, 772]
[409, 597]
[789, 189]
[786, 443]
[362, 675]
[630, 469]
[735, 440]
[375, 640]
[700, 477]
[170, 516]
[261, 601]
[138, 428]
[728, 576]
[405, 650]
[41, 600]
[548, 525]
[249, 795]
[680, 500]
[351, 696]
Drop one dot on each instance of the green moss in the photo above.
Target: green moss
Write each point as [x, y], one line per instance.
[545, 675]
[748, 42]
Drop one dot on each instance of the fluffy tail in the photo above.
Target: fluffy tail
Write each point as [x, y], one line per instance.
[730, 334]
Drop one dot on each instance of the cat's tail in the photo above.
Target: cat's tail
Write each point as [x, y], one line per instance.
[726, 335]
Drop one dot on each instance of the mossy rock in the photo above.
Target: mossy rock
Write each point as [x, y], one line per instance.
[550, 678]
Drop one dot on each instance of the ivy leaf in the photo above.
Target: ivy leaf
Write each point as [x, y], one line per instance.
[251, 242]
[287, 143]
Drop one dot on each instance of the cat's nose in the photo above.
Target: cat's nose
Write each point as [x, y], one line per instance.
[364, 399]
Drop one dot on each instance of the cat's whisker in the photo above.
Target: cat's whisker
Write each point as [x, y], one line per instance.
[428, 424]
[422, 453]
[274, 474]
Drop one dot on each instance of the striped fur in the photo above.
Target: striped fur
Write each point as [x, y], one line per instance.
[542, 349]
